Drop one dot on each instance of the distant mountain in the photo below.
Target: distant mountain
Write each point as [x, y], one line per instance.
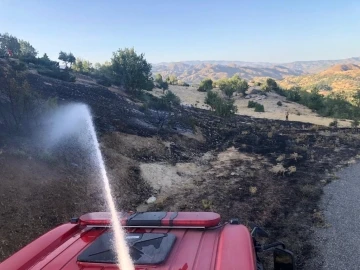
[341, 77]
[221, 62]
[319, 65]
[195, 71]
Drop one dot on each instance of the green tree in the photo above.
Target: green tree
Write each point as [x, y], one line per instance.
[182, 83]
[164, 86]
[82, 65]
[9, 42]
[315, 100]
[252, 104]
[293, 94]
[78, 65]
[271, 85]
[172, 79]
[222, 107]
[239, 84]
[158, 79]
[103, 73]
[131, 70]
[231, 85]
[45, 57]
[211, 98]
[16, 105]
[356, 98]
[259, 107]
[205, 85]
[97, 66]
[228, 90]
[225, 108]
[67, 58]
[63, 56]
[172, 99]
[20, 107]
[71, 59]
[27, 50]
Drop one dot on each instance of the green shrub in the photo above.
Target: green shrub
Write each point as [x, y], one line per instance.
[222, 107]
[334, 123]
[334, 105]
[104, 82]
[58, 74]
[251, 104]
[41, 62]
[165, 103]
[205, 85]
[279, 103]
[211, 98]
[181, 83]
[259, 108]
[172, 98]
[164, 86]
[18, 66]
[225, 108]
[231, 85]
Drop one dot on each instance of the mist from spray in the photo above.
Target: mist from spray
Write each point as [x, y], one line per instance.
[76, 119]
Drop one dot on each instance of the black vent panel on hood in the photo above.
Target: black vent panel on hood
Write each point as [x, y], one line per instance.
[145, 248]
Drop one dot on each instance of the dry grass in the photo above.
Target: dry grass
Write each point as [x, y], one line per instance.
[191, 97]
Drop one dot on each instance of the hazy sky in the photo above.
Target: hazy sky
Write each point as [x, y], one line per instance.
[175, 30]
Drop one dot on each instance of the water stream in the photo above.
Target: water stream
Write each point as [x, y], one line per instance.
[76, 119]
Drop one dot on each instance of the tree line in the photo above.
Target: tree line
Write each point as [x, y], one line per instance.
[335, 105]
[126, 69]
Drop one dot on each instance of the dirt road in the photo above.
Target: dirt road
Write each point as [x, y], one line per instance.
[338, 243]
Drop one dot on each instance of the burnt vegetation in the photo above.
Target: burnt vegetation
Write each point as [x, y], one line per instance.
[266, 172]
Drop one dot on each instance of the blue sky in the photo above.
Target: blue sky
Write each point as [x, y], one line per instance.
[176, 30]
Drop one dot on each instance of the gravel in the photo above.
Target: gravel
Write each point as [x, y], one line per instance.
[338, 243]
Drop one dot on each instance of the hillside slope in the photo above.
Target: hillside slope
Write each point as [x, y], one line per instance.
[342, 77]
[189, 96]
[226, 165]
[195, 71]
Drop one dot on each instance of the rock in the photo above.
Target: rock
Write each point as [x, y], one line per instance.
[142, 208]
[152, 199]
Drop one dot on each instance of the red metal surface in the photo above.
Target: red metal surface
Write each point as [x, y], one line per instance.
[44, 245]
[190, 219]
[235, 241]
[223, 248]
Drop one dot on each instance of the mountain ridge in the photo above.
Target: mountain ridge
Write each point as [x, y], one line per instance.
[340, 77]
[194, 71]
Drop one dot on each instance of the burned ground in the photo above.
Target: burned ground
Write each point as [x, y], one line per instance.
[265, 172]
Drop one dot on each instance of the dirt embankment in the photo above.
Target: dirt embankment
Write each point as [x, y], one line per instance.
[265, 172]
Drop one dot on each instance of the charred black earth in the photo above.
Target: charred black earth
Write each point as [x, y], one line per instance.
[265, 172]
